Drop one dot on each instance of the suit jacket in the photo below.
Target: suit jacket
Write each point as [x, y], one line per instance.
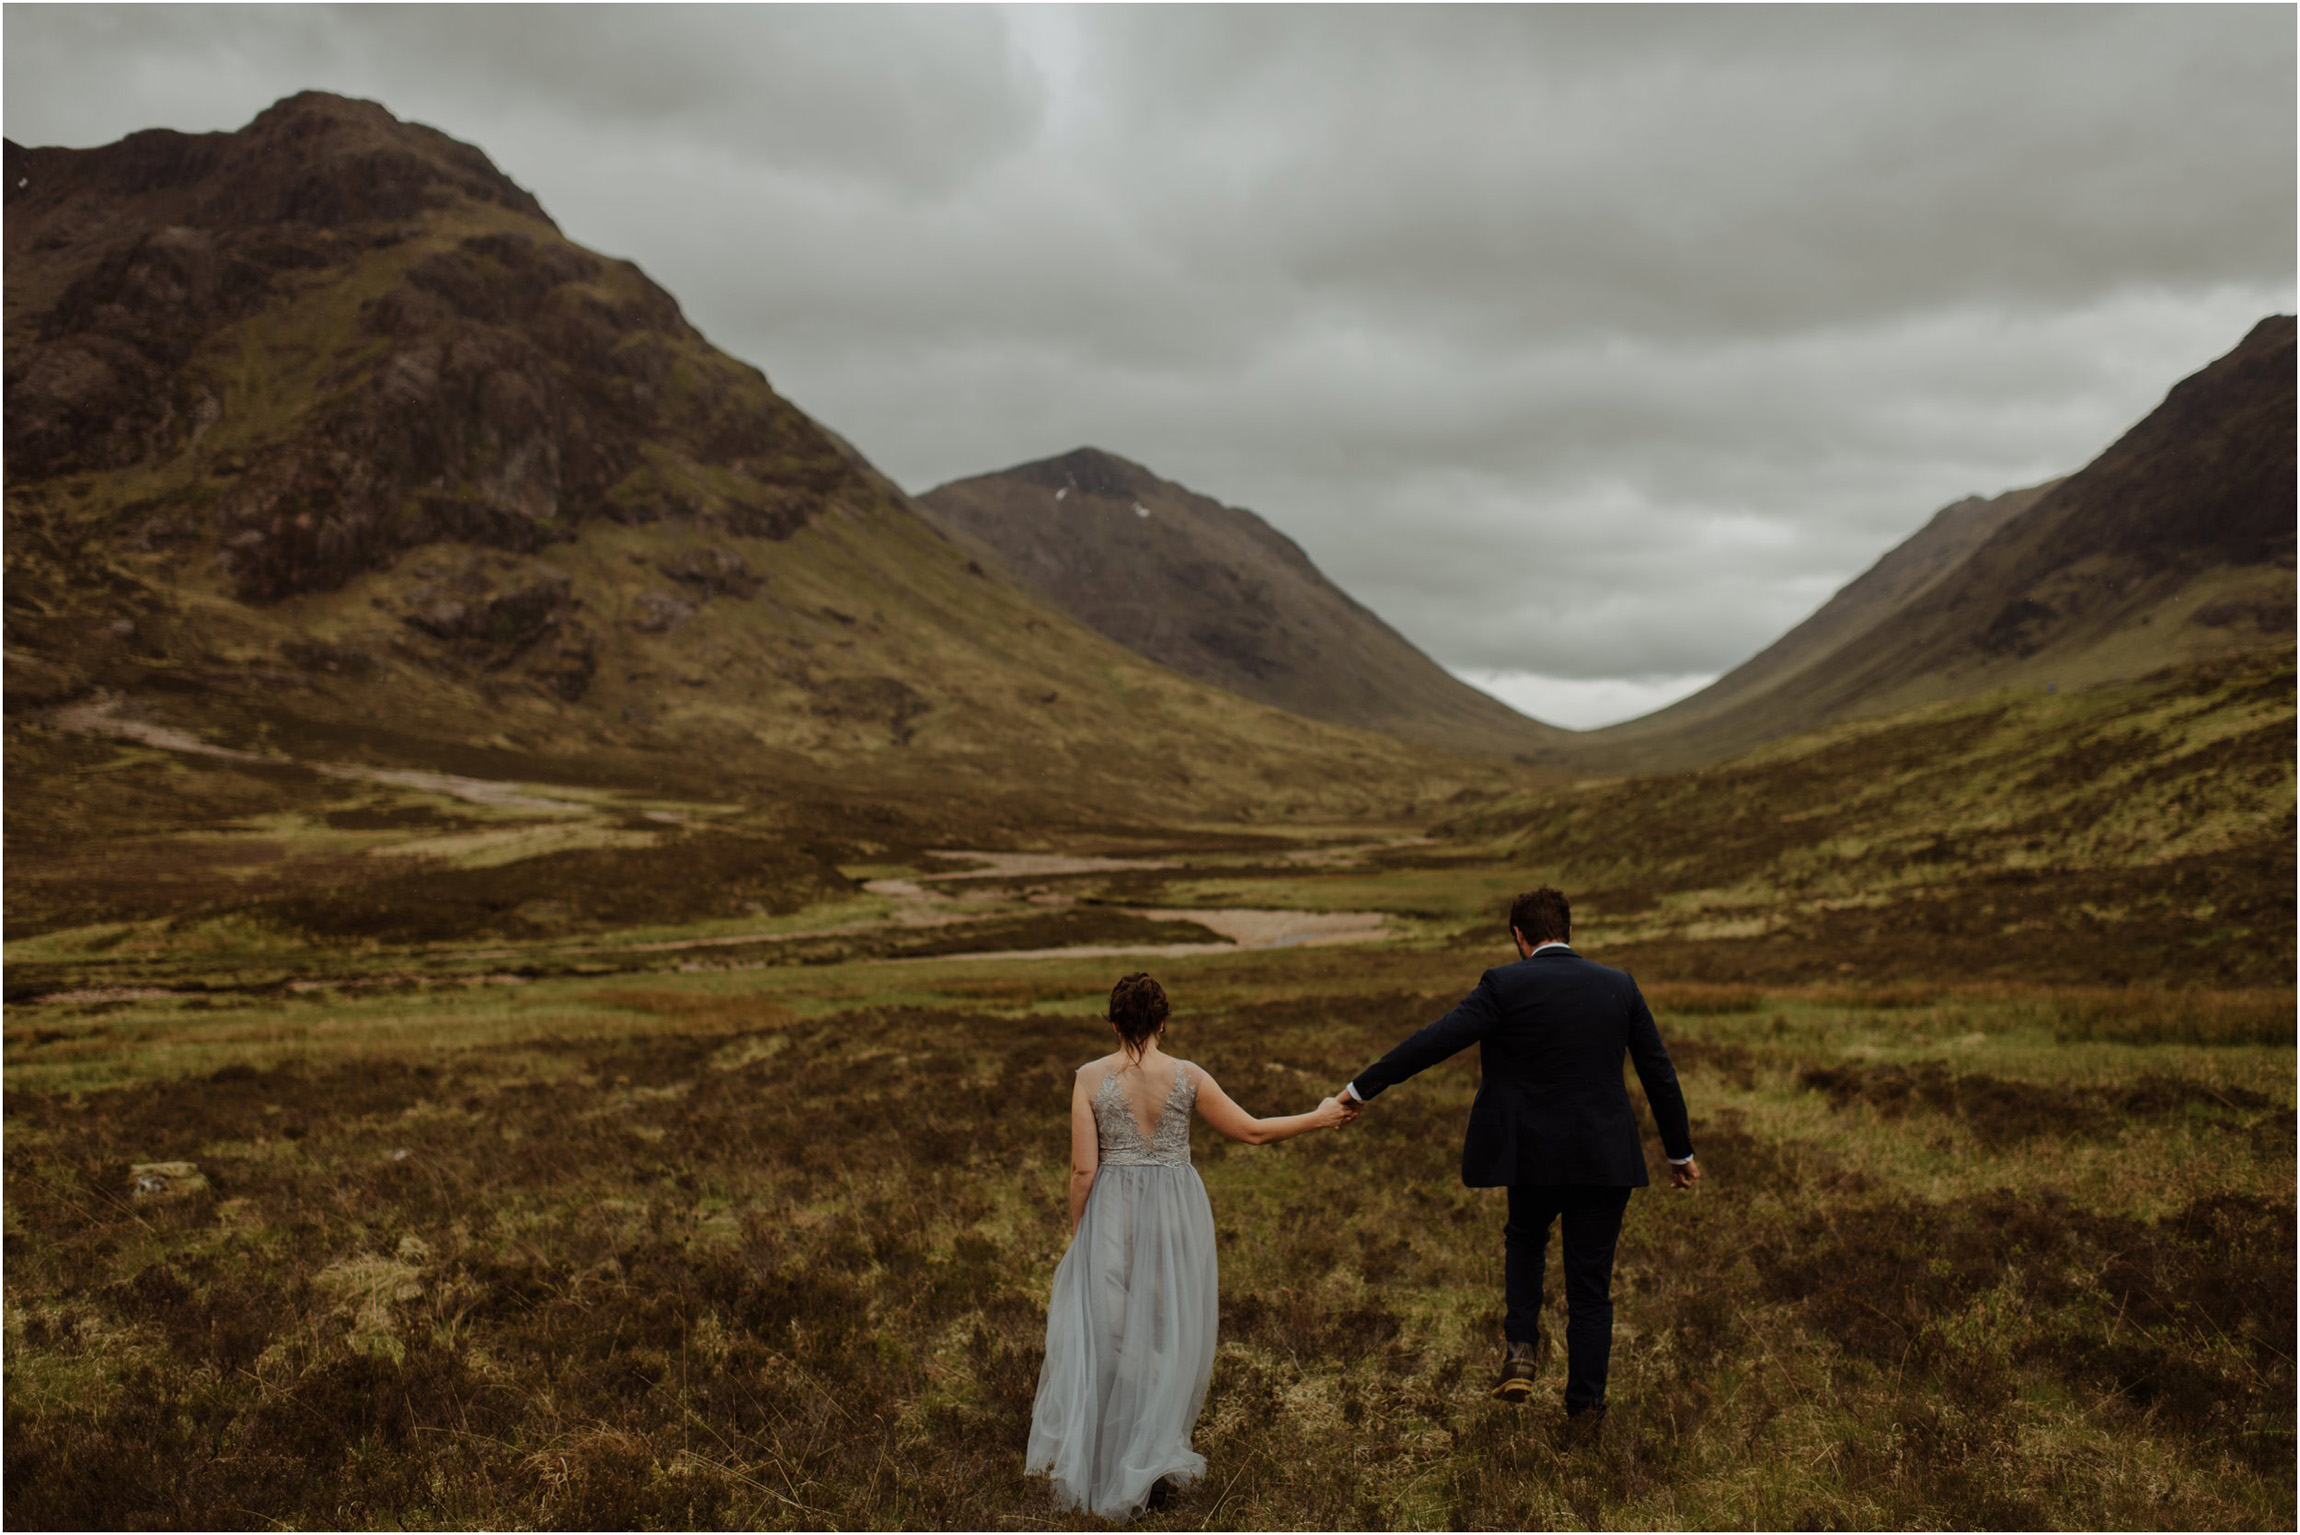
[1551, 1032]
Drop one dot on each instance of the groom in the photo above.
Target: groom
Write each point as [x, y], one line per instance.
[1553, 1125]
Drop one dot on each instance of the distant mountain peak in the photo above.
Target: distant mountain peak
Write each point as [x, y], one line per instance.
[1215, 593]
[323, 111]
[1090, 472]
[312, 158]
[476, 377]
[2270, 330]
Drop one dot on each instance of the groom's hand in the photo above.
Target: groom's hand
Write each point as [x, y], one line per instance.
[1352, 1105]
[1683, 1175]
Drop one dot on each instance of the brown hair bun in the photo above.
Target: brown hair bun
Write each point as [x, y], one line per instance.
[1137, 1008]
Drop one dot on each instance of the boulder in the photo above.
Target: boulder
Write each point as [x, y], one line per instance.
[165, 1180]
[660, 612]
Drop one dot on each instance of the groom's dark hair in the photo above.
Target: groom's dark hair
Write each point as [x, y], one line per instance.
[1542, 915]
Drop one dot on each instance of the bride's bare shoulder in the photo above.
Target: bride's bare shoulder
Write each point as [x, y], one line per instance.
[1099, 1063]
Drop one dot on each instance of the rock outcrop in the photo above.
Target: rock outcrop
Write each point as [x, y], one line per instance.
[337, 336]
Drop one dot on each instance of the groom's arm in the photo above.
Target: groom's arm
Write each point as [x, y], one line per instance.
[1659, 1079]
[1468, 1023]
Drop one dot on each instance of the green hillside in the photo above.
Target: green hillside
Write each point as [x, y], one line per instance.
[1928, 556]
[325, 445]
[2175, 544]
[2120, 833]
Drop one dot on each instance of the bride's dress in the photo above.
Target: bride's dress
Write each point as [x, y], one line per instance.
[1130, 1328]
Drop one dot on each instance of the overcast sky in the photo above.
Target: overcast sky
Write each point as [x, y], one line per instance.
[1591, 347]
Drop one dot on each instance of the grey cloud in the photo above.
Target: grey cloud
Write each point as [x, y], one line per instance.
[909, 99]
[1551, 169]
[912, 99]
[1588, 342]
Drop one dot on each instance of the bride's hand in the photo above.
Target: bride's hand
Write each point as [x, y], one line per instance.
[1331, 1115]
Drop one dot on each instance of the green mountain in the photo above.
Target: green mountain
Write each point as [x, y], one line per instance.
[2175, 545]
[356, 516]
[2138, 831]
[2048, 738]
[380, 561]
[322, 429]
[1216, 593]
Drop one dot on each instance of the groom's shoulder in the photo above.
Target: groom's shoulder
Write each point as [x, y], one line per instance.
[1619, 979]
[1533, 970]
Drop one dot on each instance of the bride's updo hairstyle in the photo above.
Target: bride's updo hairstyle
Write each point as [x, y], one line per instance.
[1137, 1009]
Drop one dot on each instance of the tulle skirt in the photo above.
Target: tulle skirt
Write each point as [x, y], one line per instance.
[1129, 1342]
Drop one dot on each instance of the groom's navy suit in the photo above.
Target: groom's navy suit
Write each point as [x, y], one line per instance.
[1553, 1124]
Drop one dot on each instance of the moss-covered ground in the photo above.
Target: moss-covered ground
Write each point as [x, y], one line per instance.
[772, 1248]
[379, 1156]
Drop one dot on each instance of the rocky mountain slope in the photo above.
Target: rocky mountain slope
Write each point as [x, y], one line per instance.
[1218, 594]
[2127, 832]
[2175, 545]
[1904, 573]
[321, 438]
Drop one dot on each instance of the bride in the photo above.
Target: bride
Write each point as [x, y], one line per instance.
[1130, 1328]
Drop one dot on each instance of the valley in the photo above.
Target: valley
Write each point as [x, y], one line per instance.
[470, 1195]
[551, 908]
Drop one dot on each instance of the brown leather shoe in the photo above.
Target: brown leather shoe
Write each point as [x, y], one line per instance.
[1519, 1365]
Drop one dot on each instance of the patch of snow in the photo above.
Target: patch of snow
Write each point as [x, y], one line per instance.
[1140, 510]
[1064, 491]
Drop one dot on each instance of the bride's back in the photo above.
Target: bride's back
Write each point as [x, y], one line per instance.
[1142, 1108]
[1131, 1321]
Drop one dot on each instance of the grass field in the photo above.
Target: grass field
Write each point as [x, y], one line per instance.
[391, 1151]
[771, 1247]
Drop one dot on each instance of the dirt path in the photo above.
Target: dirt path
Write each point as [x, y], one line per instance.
[1029, 865]
[341, 983]
[1077, 951]
[918, 907]
[100, 716]
[913, 904]
[1246, 930]
[1278, 929]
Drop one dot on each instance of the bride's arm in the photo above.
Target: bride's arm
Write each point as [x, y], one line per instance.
[1228, 1119]
[1085, 1147]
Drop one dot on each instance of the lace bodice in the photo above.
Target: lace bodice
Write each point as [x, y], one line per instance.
[1119, 1132]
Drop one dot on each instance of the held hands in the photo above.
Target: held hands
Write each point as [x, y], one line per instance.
[1339, 1110]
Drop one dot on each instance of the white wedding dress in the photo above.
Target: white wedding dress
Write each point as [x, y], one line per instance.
[1130, 1327]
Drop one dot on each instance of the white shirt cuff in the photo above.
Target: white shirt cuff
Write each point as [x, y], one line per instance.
[1679, 1161]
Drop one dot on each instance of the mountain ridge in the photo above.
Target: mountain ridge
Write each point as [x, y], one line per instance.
[2175, 542]
[325, 413]
[1217, 593]
[321, 433]
[1916, 563]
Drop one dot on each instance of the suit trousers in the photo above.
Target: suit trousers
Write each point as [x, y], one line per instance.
[1591, 1217]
